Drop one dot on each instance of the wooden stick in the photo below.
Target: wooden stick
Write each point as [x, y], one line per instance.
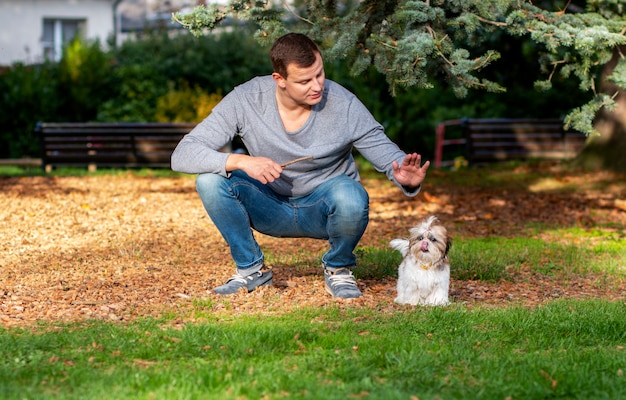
[296, 160]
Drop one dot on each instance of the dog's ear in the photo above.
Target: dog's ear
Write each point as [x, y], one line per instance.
[402, 245]
[448, 245]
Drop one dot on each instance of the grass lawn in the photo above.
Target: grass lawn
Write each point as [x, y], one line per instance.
[103, 295]
[565, 349]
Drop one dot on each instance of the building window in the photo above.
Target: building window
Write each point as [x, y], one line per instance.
[57, 33]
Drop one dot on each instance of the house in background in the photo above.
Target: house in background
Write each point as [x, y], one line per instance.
[32, 31]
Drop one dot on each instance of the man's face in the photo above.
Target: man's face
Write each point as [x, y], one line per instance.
[304, 86]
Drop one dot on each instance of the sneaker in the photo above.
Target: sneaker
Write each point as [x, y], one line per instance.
[341, 283]
[250, 282]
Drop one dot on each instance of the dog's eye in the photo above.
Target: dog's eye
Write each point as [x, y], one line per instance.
[420, 237]
[432, 238]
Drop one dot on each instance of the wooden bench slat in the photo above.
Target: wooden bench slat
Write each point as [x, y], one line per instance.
[109, 144]
[507, 155]
[103, 132]
[500, 139]
[87, 139]
[553, 137]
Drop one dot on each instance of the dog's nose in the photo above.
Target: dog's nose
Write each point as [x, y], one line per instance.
[424, 246]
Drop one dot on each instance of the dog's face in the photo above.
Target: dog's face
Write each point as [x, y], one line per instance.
[429, 240]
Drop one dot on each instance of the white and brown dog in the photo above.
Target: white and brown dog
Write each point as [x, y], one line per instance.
[424, 274]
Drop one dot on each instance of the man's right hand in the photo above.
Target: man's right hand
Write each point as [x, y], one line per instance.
[263, 169]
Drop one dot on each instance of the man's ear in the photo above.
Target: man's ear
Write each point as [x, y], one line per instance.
[280, 81]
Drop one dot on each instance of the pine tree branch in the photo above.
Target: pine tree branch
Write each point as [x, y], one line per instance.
[555, 65]
[288, 7]
[496, 23]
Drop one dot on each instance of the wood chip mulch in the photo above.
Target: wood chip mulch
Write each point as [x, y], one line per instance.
[124, 247]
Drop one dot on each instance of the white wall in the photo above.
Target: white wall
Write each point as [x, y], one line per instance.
[21, 25]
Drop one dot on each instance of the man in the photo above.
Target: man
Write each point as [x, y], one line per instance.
[293, 114]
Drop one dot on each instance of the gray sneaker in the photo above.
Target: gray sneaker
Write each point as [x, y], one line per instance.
[341, 283]
[250, 282]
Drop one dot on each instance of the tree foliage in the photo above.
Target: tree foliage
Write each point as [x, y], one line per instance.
[418, 43]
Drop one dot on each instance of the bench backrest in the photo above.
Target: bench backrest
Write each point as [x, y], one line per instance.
[486, 140]
[502, 139]
[109, 144]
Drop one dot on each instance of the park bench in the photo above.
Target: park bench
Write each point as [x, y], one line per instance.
[489, 140]
[124, 145]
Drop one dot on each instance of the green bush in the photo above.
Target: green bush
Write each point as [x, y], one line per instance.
[125, 84]
[135, 95]
[211, 62]
[71, 90]
[85, 79]
[27, 93]
[185, 104]
[143, 80]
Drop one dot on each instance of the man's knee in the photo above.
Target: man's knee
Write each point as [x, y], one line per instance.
[208, 185]
[350, 198]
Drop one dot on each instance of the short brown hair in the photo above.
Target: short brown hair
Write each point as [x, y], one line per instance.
[293, 48]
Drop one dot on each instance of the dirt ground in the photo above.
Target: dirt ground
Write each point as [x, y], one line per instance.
[124, 247]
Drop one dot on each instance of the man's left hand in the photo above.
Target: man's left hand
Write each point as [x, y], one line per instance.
[410, 173]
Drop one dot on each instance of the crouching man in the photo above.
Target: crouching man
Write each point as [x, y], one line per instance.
[292, 114]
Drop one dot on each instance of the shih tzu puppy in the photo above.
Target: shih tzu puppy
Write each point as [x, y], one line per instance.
[424, 273]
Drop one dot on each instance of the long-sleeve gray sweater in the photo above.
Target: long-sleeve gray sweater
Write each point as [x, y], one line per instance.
[336, 125]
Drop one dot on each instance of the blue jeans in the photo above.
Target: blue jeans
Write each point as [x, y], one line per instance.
[337, 211]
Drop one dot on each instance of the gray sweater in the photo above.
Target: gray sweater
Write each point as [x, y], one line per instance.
[336, 125]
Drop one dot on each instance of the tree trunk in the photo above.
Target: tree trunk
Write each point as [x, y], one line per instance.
[608, 150]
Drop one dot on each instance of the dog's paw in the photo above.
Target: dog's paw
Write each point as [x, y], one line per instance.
[403, 301]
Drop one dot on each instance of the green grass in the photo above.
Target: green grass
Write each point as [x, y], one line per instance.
[10, 170]
[566, 349]
[489, 259]
[14, 170]
[495, 258]
[375, 263]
